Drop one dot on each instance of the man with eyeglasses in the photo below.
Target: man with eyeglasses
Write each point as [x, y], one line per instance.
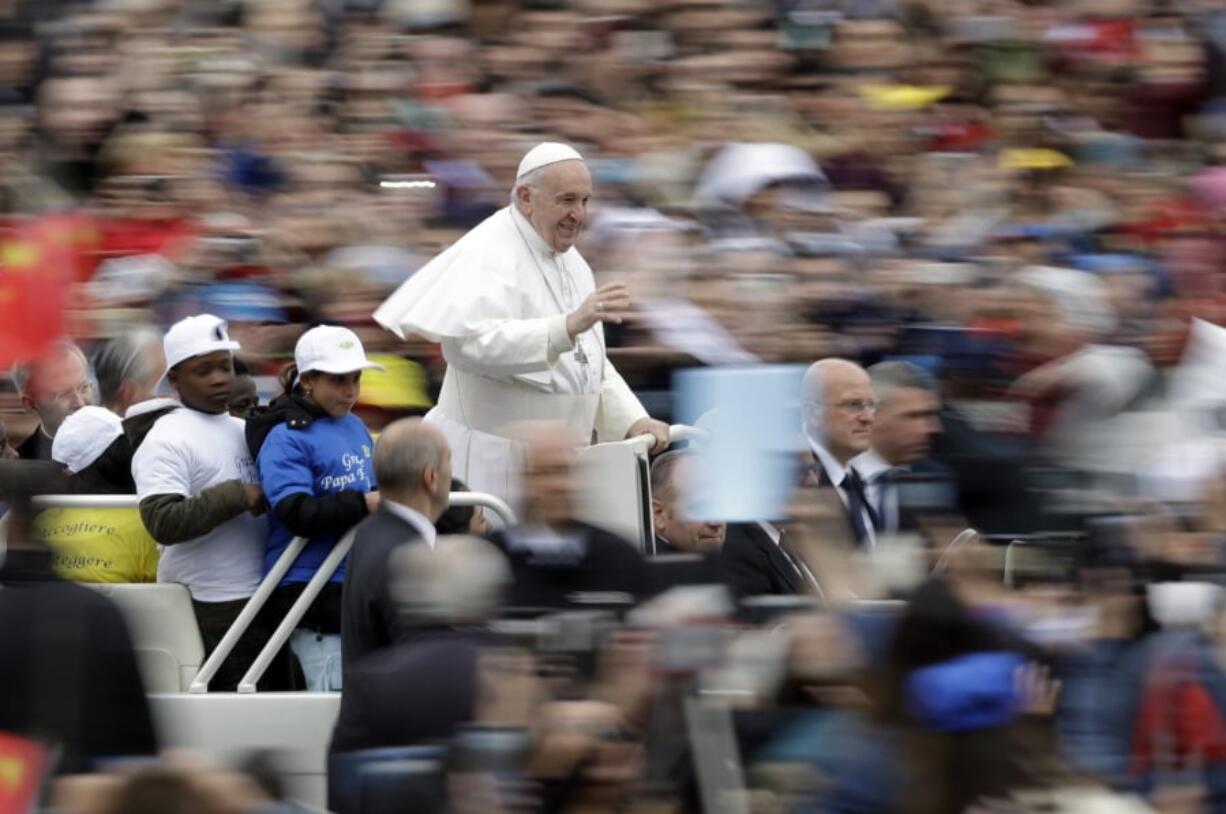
[838, 412]
[54, 386]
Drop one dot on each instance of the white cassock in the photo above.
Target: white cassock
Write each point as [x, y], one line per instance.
[497, 301]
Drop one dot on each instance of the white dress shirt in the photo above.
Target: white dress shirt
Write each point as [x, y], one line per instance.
[882, 497]
[415, 519]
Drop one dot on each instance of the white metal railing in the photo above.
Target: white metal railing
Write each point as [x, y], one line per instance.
[676, 434]
[200, 684]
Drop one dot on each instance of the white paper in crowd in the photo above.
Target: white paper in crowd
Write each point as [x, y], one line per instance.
[685, 327]
[750, 460]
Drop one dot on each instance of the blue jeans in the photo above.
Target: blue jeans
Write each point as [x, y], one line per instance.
[320, 657]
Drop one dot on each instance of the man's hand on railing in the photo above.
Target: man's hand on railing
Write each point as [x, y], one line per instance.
[658, 430]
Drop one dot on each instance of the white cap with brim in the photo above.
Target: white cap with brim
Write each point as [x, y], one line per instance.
[84, 436]
[196, 336]
[544, 154]
[331, 349]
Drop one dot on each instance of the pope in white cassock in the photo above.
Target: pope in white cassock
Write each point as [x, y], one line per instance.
[519, 317]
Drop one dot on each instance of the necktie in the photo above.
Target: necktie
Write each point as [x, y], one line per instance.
[857, 506]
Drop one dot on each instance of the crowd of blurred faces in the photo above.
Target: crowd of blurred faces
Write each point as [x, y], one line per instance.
[1026, 198]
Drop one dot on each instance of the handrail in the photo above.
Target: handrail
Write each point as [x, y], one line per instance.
[324, 573]
[486, 501]
[200, 684]
[676, 434]
[86, 502]
[312, 590]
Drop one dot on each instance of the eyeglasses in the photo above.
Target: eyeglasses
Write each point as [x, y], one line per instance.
[857, 406]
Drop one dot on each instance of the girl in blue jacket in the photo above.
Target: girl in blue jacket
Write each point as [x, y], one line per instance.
[315, 462]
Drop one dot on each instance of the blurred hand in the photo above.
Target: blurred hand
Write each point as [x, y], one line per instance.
[656, 429]
[372, 501]
[256, 503]
[1036, 689]
[606, 304]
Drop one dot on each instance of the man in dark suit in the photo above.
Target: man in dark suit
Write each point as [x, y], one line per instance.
[838, 410]
[420, 689]
[413, 468]
[756, 562]
[554, 556]
[903, 483]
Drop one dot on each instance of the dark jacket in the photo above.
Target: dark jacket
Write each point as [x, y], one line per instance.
[671, 567]
[70, 673]
[413, 692]
[819, 477]
[604, 563]
[754, 565]
[305, 515]
[369, 618]
[35, 448]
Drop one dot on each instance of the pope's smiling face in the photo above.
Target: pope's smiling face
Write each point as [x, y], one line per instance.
[557, 206]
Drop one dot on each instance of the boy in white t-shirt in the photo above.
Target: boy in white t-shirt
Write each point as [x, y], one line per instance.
[200, 495]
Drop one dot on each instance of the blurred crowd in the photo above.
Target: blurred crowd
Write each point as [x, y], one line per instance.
[1022, 201]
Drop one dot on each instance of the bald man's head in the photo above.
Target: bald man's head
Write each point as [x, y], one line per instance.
[838, 407]
[413, 466]
[547, 481]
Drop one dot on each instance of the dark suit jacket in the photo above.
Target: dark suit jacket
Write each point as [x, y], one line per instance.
[753, 565]
[939, 489]
[410, 693]
[69, 670]
[368, 614]
[671, 567]
[35, 448]
[608, 563]
[818, 477]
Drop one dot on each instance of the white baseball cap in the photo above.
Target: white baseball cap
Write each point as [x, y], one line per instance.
[196, 336]
[84, 436]
[331, 349]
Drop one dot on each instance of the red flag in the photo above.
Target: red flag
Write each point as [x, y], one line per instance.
[22, 764]
[35, 270]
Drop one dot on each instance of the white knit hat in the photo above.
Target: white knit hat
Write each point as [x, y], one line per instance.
[84, 436]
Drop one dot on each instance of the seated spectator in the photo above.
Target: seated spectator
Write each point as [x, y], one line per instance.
[671, 475]
[463, 519]
[199, 497]
[413, 468]
[128, 369]
[54, 387]
[447, 594]
[94, 545]
[314, 458]
[554, 555]
[687, 552]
